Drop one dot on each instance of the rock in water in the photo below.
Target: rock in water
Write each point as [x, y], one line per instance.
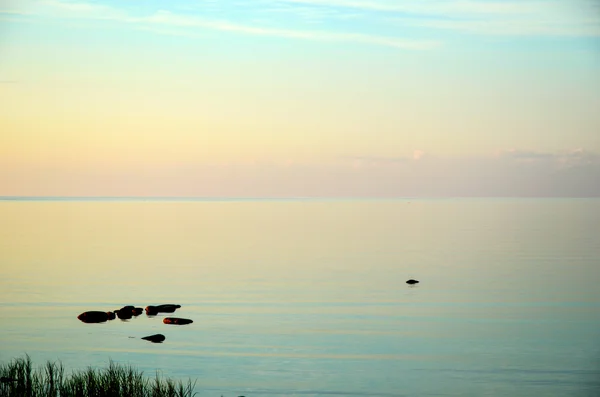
[411, 281]
[93, 317]
[177, 321]
[167, 308]
[151, 311]
[111, 315]
[154, 310]
[158, 338]
[124, 313]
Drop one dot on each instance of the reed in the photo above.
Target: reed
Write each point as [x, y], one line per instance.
[20, 379]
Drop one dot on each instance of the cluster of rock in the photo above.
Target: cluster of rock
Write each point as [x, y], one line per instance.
[127, 312]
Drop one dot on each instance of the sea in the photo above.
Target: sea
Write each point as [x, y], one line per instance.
[308, 297]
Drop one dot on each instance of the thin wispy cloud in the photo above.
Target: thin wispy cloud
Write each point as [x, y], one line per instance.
[512, 28]
[452, 9]
[524, 17]
[309, 14]
[374, 161]
[458, 8]
[13, 12]
[505, 157]
[400, 24]
[166, 18]
[566, 158]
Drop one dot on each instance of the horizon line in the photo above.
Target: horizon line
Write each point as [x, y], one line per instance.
[293, 198]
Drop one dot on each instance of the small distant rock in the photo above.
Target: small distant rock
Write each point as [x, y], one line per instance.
[92, 317]
[137, 311]
[177, 321]
[411, 282]
[111, 315]
[158, 338]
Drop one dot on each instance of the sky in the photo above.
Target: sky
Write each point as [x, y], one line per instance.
[300, 98]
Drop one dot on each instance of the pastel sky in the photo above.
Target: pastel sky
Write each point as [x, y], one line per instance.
[288, 98]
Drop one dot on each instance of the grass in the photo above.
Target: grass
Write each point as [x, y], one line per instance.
[114, 381]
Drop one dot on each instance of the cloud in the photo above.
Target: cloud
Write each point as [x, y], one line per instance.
[163, 17]
[374, 161]
[13, 12]
[353, 176]
[526, 155]
[418, 154]
[408, 18]
[451, 8]
[543, 27]
[563, 159]
[523, 17]
[58, 8]
[306, 13]
[502, 158]
[20, 7]
[578, 157]
[190, 23]
[379, 161]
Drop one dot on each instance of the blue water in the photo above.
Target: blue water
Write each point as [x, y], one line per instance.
[308, 297]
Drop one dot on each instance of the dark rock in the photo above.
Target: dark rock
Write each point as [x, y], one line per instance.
[111, 315]
[154, 310]
[151, 310]
[177, 321]
[137, 311]
[124, 313]
[167, 308]
[93, 317]
[5, 379]
[411, 281]
[158, 338]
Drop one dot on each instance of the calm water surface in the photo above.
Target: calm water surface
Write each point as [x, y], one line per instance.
[308, 297]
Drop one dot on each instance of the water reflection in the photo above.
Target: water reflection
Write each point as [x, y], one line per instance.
[311, 296]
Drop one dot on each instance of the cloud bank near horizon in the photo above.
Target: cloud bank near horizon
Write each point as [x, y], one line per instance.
[507, 173]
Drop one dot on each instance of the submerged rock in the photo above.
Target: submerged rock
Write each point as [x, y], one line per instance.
[411, 281]
[93, 317]
[158, 338]
[177, 321]
[154, 310]
[167, 308]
